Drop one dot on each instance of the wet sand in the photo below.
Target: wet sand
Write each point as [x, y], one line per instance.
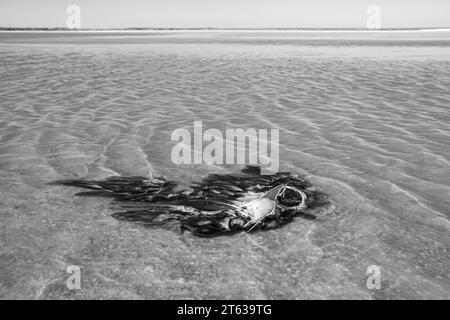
[366, 118]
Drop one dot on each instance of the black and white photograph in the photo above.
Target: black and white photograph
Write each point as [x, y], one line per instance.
[211, 150]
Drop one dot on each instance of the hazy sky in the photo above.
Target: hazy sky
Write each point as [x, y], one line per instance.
[225, 13]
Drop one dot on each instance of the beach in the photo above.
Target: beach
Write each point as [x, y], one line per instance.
[363, 115]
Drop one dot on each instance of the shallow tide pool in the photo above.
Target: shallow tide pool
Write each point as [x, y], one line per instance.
[366, 117]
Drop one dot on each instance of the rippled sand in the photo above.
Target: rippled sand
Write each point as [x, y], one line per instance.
[365, 116]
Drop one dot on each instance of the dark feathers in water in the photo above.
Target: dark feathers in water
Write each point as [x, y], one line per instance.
[216, 205]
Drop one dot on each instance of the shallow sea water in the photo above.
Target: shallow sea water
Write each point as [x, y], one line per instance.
[365, 116]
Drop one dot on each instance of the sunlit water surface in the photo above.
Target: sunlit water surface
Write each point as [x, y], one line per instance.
[365, 116]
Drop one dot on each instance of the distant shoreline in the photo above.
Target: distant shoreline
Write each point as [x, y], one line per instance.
[135, 30]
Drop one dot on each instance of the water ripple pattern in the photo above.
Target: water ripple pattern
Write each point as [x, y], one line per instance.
[367, 119]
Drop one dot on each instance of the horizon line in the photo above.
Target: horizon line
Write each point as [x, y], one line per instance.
[64, 29]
